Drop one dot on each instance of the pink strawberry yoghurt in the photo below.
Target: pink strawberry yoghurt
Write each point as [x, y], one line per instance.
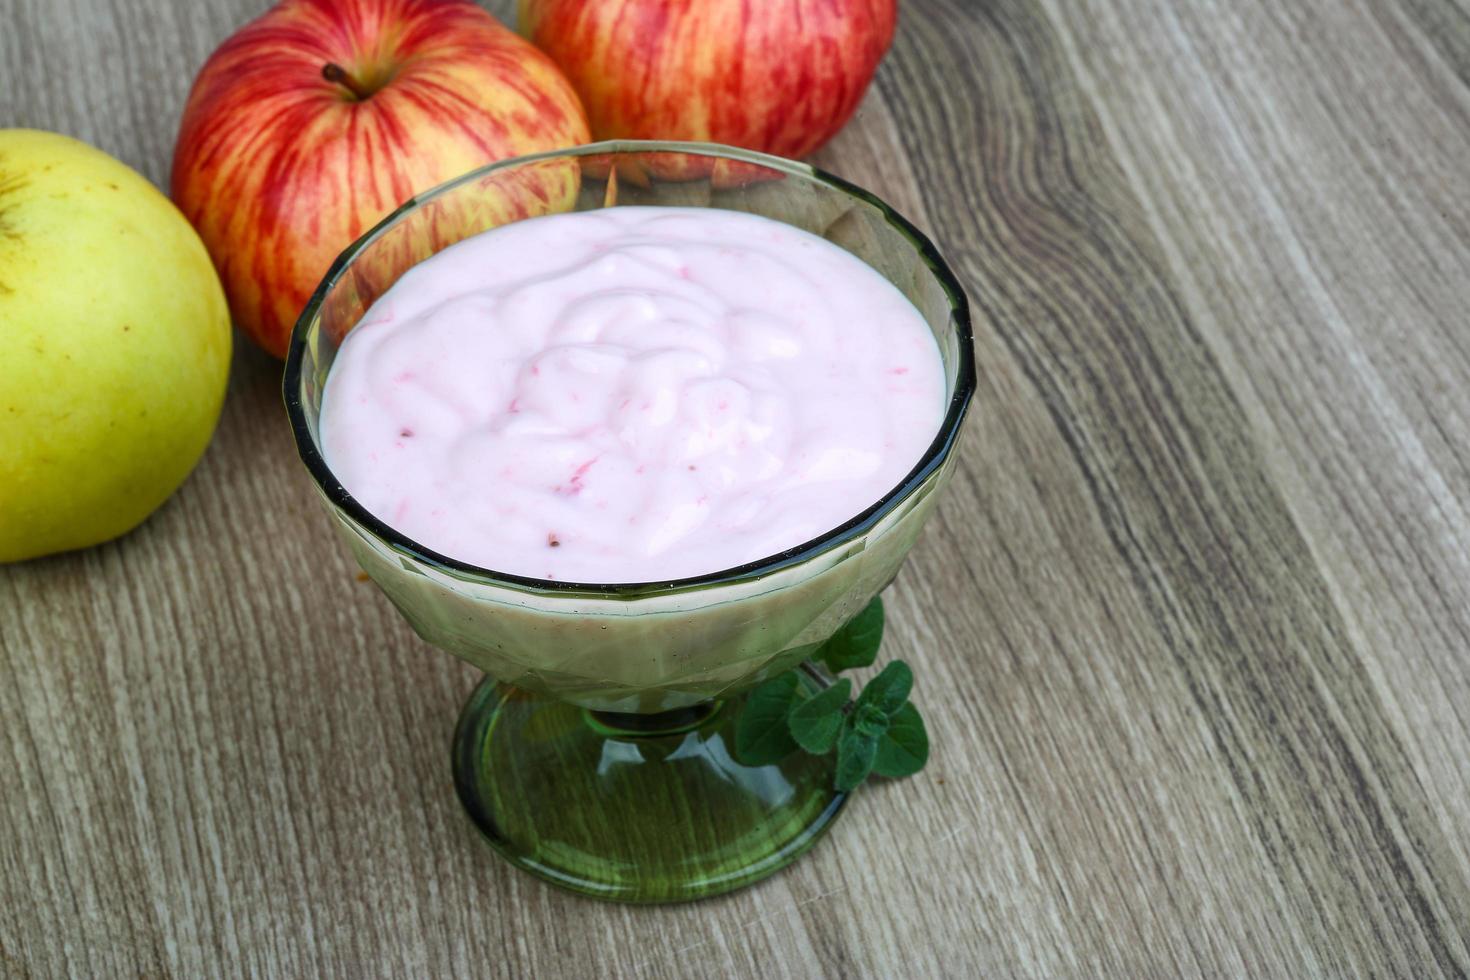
[636, 394]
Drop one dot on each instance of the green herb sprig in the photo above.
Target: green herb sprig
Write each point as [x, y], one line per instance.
[881, 732]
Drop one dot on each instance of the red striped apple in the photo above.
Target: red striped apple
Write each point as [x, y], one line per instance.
[315, 120]
[781, 76]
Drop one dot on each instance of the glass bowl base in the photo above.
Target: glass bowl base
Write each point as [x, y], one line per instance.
[634, 808]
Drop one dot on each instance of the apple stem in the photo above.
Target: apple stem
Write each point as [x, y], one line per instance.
[338, 75]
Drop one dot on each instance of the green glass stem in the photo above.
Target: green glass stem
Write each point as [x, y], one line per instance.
[635, 808]
[622, 724]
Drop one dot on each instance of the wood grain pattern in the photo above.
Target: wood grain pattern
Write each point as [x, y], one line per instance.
[1192, 627]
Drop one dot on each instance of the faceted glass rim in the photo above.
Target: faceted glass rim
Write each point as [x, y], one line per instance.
[934, 456]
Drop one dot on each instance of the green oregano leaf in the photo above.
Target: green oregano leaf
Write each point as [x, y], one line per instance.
[816, 721]
[855, 644]
[889, 690]
[762, 735]
[855, 754]
[868, 719]
[881, 732]
[904, 747]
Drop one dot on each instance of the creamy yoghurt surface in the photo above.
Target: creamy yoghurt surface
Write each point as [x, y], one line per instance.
[635, 394]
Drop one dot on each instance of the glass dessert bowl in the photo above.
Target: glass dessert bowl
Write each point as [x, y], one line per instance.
[599, 751]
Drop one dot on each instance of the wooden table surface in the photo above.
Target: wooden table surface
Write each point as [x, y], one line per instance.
[1191, 629]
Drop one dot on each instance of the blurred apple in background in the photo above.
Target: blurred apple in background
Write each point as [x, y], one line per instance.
[315, 120]
[781, 76]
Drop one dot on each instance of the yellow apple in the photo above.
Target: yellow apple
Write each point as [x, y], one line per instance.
[114, 346]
